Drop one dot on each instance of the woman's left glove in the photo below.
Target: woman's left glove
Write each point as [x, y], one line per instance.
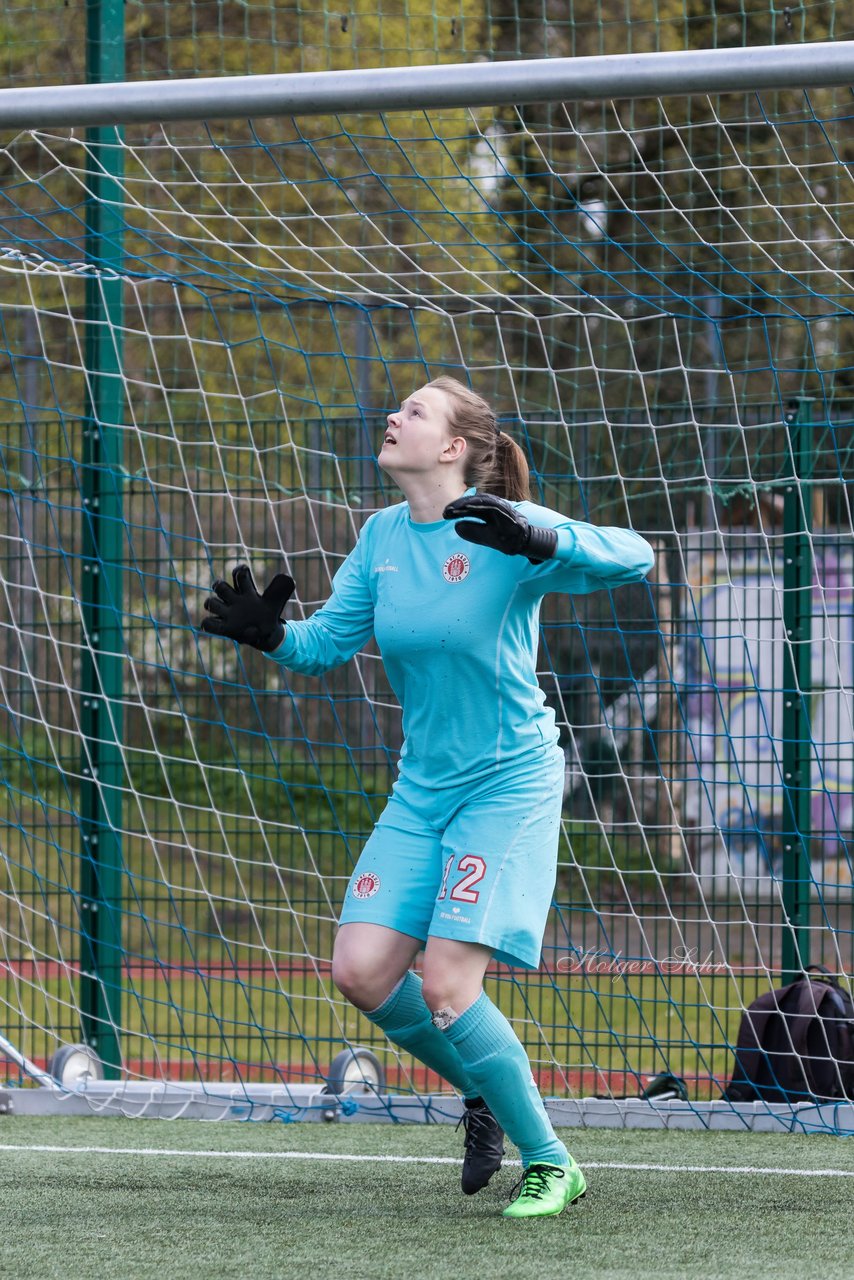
[241, 614]
[503, 527]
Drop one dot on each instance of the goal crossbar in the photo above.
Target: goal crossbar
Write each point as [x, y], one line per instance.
[645, 75]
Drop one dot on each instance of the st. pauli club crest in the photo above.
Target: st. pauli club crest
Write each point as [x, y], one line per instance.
[456, 567]
[366, 885]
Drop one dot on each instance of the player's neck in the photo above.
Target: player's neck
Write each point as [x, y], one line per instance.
[428, 496]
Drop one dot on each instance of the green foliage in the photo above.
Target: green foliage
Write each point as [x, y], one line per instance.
[724, 207]
[270, 261]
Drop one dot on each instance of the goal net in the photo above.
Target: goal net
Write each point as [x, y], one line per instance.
[202, 327]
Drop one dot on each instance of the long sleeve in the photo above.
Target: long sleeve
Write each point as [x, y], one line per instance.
[587, 557]
[339, 628]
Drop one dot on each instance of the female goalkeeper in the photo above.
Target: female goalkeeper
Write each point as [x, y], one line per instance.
[462, 861]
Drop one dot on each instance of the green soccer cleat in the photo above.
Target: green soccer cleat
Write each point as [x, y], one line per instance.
[546, 1190]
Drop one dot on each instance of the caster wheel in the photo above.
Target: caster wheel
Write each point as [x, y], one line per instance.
[355, 1071]
[75, 1064]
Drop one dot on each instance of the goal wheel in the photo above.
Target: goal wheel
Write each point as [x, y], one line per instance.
[353, 1071]
[75, 1064]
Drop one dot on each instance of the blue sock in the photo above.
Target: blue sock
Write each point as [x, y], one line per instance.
[499, 1069]
[407, 1022]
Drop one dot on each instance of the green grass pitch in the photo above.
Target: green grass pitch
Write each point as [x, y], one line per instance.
[169, 1214]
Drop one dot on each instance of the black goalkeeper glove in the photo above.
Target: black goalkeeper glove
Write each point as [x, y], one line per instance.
[503, 528]
[240, 614]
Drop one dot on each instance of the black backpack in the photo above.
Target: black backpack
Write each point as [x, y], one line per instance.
[796, 1044]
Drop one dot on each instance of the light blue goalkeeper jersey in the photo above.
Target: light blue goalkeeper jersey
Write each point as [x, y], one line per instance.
[457, 626]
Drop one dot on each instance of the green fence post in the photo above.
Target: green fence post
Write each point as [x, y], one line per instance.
[797, 683]
[102, 554]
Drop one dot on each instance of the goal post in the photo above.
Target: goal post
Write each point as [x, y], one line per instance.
[645, 262]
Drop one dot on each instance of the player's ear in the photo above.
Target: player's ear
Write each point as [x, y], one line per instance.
[454, 449]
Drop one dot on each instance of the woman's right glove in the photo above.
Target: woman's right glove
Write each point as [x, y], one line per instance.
[241, 614]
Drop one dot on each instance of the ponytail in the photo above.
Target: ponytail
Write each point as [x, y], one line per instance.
[509, 476]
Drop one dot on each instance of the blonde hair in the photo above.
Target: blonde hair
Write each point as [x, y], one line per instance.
[494, 462]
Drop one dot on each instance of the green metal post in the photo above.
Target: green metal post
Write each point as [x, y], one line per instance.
[797, 683]
[102, 554]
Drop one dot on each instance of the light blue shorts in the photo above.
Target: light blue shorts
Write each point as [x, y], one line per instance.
[476, 862]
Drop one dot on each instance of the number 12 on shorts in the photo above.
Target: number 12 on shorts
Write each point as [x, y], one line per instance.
[472, 868]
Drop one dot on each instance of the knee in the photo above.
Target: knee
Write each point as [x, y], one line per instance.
[360, 982]
[437, 992]
[350, 979]
[446, 991]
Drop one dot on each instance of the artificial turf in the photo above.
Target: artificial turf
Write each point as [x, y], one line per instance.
[174, 1217]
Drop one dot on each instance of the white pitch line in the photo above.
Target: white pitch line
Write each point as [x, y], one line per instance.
[233, 1155]
[722, 1168]
[329, 1155]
